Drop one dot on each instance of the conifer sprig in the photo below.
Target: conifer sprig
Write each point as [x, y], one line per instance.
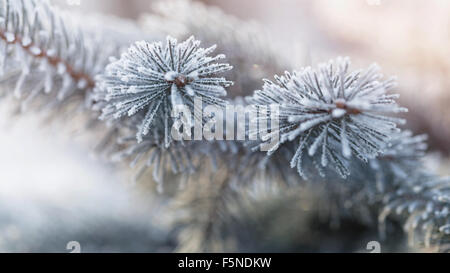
[151, 79]
[332, 113]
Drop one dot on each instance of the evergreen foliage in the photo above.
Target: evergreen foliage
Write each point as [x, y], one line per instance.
[331, 119]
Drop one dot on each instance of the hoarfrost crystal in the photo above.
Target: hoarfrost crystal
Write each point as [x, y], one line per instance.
[151, 79]
[334, 113]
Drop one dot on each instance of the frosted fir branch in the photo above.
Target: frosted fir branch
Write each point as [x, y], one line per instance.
[46, 50]
[247, 44]
[151, 79]
[332, 113]
[247, 165]
[328, 114]
[401, 158]
[423, 206]
[404, 192]
[185, 159]
[35, 37]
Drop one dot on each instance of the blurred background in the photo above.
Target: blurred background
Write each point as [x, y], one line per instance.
[51, 190]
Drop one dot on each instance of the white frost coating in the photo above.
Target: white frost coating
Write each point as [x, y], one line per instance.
[338, 113]
[175, 97]
[61, 68]
[125, 78]
[193, 75]
[34, 28]
[160, 77]
[10, 37]
[35, 50]
[352, 106]
[82, 84]
[51, 52]
[132, 89]
[169, 76]
[346, 151]
[26, 41]
[189, 90]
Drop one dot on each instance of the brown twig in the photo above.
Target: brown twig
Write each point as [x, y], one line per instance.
[53, 60]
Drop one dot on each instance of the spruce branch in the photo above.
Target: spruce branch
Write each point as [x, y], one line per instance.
[401, 157]
[332, 113]
[423, 208]
[330, 119]
[35, 39]
[398, 185]
[51, 52]
[151, 80]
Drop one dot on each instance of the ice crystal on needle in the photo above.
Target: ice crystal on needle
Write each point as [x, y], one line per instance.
[333, 112]
[151, 79]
